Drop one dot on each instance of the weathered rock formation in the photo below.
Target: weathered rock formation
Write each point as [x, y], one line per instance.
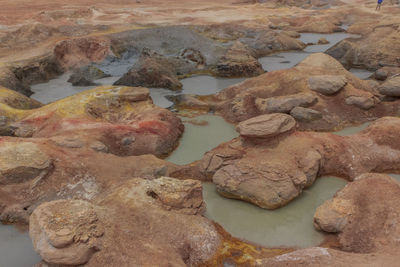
[122, 118]
[363, 214]
[154, 70]
[319, 83]
[270, 172]
[377, 49]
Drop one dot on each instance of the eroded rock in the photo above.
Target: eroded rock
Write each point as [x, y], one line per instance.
[327, 84]
[266, 126]
[363, 214]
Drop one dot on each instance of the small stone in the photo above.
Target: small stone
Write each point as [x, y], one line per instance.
[323, 41]
[305, 114]
[126, 141]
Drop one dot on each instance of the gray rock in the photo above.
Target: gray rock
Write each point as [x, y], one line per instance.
[266, 126]
[391, 87]
[305, 114]
[284, 104]
[327, 84]
[85, 76]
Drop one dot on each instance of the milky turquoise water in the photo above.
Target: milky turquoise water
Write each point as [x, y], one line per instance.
[291, 225]
[198, 139]
[16, 249]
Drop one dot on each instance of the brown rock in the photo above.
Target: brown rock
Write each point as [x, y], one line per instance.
[391, 87]
[363, 213]
[284, 104]
[238, 62]
[327, 84]
[20, 162]
[266, 126]
[305, 114]
[160, 219]
[66, 232]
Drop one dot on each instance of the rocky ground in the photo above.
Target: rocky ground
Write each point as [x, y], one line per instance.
[87, 174]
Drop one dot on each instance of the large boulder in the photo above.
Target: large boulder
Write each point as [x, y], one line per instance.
[160, 219]
[266, 126]
[238, 62]
[363, 214]
[152, 70]
[327, 84]
[66, 232]
[123, 118]
[380, 47]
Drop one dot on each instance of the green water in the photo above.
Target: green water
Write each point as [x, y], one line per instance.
[291, 225]
[352, 130]
[198, 139]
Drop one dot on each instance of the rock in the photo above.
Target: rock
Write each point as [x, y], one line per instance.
[238, 62]
[164, 214]
[323, 41]
[284, 104]
[272, 172]
[266, 126]
[379, 47]
[288, 88]
[86, 75]
[361, 102]
[72, 53]
[188, 101]
[66, 232]
[327, 84]
[16, 100]
[151, 72]
[391, 87]
[305, 114]
[22, 162]
[292, 34]
[386, 72]
[107, 114]
[352, 213]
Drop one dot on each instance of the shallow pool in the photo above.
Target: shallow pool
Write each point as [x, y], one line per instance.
[353, 129]
[207, 133]
[290, 226]
[16, 249]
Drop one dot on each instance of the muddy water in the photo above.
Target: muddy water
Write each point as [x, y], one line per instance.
[16, 248]
[198, 139]
[59, 88]
[201, 85]
[361, 73]
[333, 38]
[291, 225]
[352, 130]
[287, 60]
